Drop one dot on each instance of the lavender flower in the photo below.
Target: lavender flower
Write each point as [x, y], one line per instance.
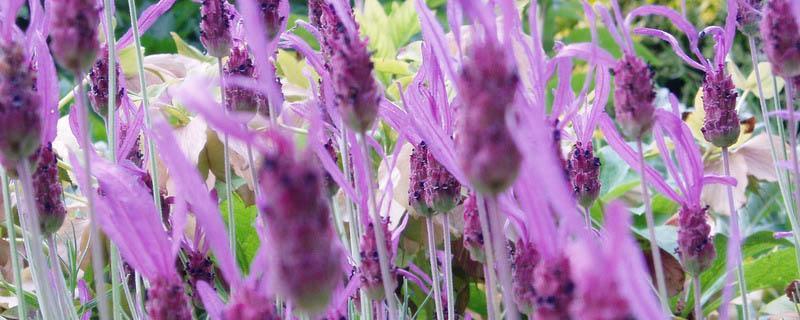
[417, 197]
[98, 84]
[242, 99]
[315, 11]
[215, 27]
[330, 184]
[271, 15]
[721, 123]
[166, 300]
[20, 121]
[473, 235]
[357, 93]
[792, 291]
[633, 96]
[74, 33]
[198, 267]
[250, 303]
[442, 189]
[781, 35]
[305, 269]
[584, 173]
[525, 259]
[488, 154]
[695, 245]
[553, 287]
[370, 270]
[48, 191]
[748, 18]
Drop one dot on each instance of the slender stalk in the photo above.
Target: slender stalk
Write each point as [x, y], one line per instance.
[654, 249]
[785, 192]
[503, 267]
[488, 270]
[253, 170]
[98, 263]
[380, 238]
[437, 292]
[698, 305]
[22, 308]
[588, 216]
[354, 231]
[448, 267]
[65, 297]
[734, 245]
[228, 175]
[793, 137]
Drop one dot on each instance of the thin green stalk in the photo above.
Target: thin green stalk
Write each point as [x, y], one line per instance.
[735, 234]
[228, 175]
[353, 226]
[654, 249]
[380, 238]
[98, 263]
[448, 267]
[437, 292]
[488, 270]
[785, 193]
[253, 171]
[12, 241]
[698, 305]
[65, 297]
[503, 267]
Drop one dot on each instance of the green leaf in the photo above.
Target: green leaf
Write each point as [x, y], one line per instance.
[391, 66]
[187, 50]
[292, 68]
[403, 23]
[374, 25]
[127, 60]
[247, 241]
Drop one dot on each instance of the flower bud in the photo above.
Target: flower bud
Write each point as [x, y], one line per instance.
[47, 186]
[98, 85]
[473, 234]
[554, 289]
[198, 267]
[315, 10]
[633, 96]
[695, 246]
[525, 259]
[248, 303]
[271, 17]
[215, 27]
[721, 124]
[488, 85]
[748, 17]
[584, 173]
[20, 122]
[166, 300]
[442, 189]
[370, 270]
[73, 33]
[781, 35]
[417, 197]
[242, 99]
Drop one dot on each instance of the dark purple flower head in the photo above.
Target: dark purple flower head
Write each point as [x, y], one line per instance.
[370, 270]
[198, 267]
[442, 189]
[74, 33]
[20, 119]
[695, 245]
[98, 84]
[793, 291]
[305, 269]
[554, 288]
[166, 300]
[748, 17]
[215, 27]
[781, 35]
[633, 96]
[417, 197]
[525, 259]
[330, 184]
[584, 173]
[357, 94]
[473, 235]
[721, 124]
[271, 16]
[315, 10]
[487, 86]
[248, 303]
[48, 191]
[242, 99]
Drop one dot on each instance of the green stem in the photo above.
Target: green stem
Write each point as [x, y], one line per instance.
[12, 241]
[654, 249]
[488, 270]
[698, 305]
[228, 175]
[735, 239]
[448, 267]
[437, 292]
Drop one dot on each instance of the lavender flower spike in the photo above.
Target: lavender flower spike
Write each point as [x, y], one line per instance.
[98, 84]
[74, 33]
[48, 191]
[417, 197]
[241, 99]
[695, 245]
[370, 270]
[20, 121]
[781, 33]
[748, 19]
[473, 235]
[721, 123]
[525, 259]
[584, 173]
[489, 156]
[215, 27]
[633, 96]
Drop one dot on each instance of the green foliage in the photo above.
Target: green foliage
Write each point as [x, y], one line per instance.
[247, 241]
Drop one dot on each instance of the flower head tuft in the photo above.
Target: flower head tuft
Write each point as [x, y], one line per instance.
[370, 270]
[721, 124]
[271, 16]
[781, 35]
[98, 84]
[166, 300]
[46, 183]
[633, 96]
[525, 259]
[417, 197]
[248, 303]
[74, 33]
[473, 235]
[20, 120]
[242, 99]
[584, 173]
[695, 245]
[749, 16]
[215, 27]
[554, 288]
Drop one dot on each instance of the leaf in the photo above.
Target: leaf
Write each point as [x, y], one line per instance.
[292, 68]
[391, 66]
[403, 23]
[189, 51]
[374, 23]
[247, 241]
[127, 60]
[765, 71]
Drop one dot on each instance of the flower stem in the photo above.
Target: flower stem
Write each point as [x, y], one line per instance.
[437, 292]
[488, 270]
[698, 305]
[12, 242]
[503, 267]
[98, 263]
[354, 223]
[383, 255]
[734, 250]
[228, 175]
[64, 296]
[782, 183]
[448, 267]
[654, 249]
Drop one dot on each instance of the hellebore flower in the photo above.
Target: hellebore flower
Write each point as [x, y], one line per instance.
[215, 27]
[74, 33]
[781, 33]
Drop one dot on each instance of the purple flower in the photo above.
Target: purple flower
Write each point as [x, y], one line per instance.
[473, 235]
[98, 84]
[488, 154]
[442, 189]
[553, 287]
[748, 19]
[215, 27]
[721, 123]
[330, 184]
[370, 270]
[793, 291]
[271, 15]
[241, 99]
[417, 197]
[20, 118]
[633, 96]
[584, 173]
[781, 35]
[250, 303]
[74, 33]
[47, 185]
[525, 259]
[166, 300]
[695, 245]
[315, 11]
